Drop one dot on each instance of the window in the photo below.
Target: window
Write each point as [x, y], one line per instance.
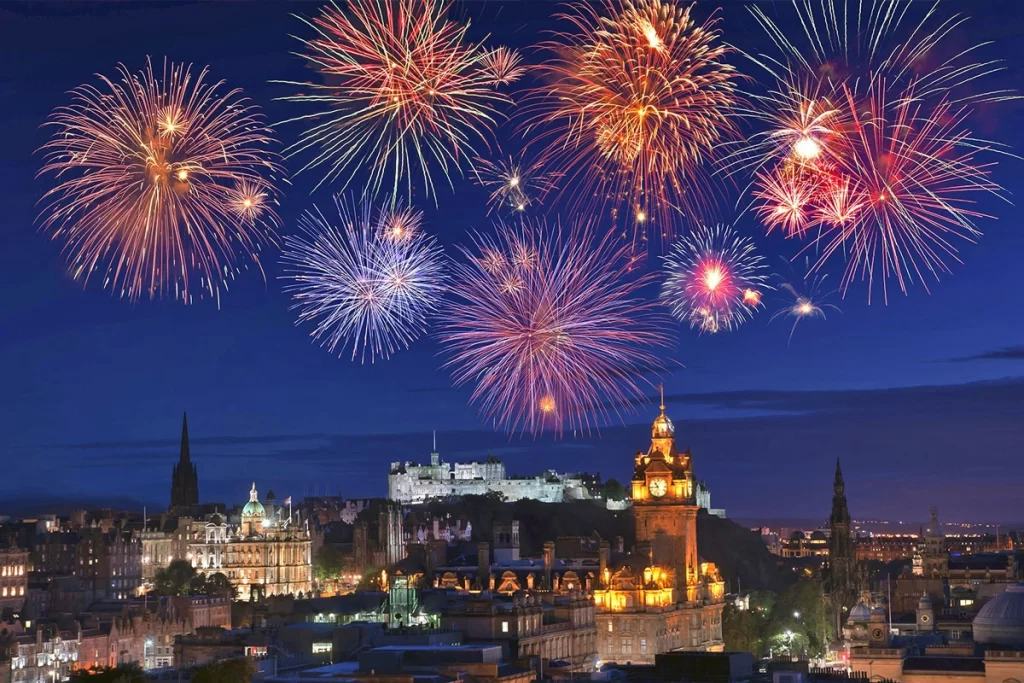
[643, 646]
[504, 627]
[626, 646]
[609, 627]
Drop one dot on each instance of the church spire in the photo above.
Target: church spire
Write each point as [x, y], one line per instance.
[185, 456]
[184, 475]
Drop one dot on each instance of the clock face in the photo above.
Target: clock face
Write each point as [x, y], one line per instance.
[924, 618]
[877, 634]
[658, 487]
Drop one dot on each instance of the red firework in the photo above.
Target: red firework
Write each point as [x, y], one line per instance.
[550, 328]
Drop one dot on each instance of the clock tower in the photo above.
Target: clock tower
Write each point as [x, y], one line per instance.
[665, 506]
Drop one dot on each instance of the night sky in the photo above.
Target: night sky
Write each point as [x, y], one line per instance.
[923, 399]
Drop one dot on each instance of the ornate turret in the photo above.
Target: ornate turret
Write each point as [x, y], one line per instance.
[185, 476]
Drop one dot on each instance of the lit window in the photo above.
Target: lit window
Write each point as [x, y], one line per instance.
[609, 627]
[504, 624]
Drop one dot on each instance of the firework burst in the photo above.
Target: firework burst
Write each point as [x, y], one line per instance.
[164, 184]
[365, 281]
[549, 327]
[404, 96]
[636, 98]
[867, 146]
[515, 185]
[714, 279]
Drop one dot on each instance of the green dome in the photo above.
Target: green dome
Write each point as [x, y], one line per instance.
[254, 508]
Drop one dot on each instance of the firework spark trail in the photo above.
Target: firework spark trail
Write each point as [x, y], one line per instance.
[636, 99]
[404, 95]
[714, 279]
[161, 180]
[365, 281]
[549, 328]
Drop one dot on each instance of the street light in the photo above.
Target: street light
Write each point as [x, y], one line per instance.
[796, 615]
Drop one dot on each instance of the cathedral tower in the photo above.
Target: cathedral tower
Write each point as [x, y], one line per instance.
[842, 559]
[665, 506]
[184, 477]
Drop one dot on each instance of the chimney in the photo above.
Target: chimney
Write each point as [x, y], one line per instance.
[604, 553]
[484, 565]
[549, 562]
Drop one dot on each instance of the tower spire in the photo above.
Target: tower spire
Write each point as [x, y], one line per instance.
[661, 387]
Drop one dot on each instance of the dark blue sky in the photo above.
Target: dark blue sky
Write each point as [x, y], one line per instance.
[923, 399]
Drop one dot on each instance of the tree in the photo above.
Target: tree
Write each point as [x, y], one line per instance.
[613, 490]
[328, 564]
[176, 579]
[126, 673]
[218, 584]
[741, 630]
[228, 671]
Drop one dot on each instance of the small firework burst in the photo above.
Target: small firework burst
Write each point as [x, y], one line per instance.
[503, 65]
[515, 185]
[808, 300]
[359, 285]
[714, 279]
[548, 327]
[165, 185]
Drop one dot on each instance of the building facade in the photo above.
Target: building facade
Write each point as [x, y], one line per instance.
[13, 578]
[411, 483]
[108, 564]
[663, 597]
[262, 556]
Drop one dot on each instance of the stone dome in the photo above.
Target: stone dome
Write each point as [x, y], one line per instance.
[1001, 620]
[254, 508]
[860, 613]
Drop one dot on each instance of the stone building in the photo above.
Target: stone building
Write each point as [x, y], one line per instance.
[555, 628]
[13, 577]
[262, 556]
[107, 563]
[996, 655]
[662, 597]
[411, 483]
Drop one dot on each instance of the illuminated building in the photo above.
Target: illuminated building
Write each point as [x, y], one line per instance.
[262, 556]
[13, 577]
[662, 597]
[184, 476]
[410, 483]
